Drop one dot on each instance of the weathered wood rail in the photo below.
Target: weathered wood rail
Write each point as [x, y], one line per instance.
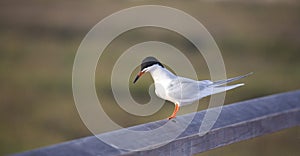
[237, 122]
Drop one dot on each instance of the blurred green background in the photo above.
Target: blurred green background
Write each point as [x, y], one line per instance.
[39, 39]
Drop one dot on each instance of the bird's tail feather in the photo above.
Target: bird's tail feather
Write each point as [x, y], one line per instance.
[219, 86]
[225, 88]
[219, 89]
[223, 82]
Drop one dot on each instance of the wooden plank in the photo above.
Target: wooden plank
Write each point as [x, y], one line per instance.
[237, 122]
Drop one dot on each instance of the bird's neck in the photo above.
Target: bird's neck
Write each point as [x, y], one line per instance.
[160, 74]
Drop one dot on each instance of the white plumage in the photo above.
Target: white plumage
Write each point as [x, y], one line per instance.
[179, 90]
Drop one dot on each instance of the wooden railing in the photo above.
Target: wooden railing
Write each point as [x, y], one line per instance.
[237, 122]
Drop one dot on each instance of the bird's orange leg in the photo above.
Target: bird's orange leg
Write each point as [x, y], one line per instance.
[176, 109]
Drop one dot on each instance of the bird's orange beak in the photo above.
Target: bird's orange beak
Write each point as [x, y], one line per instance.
[138, 76]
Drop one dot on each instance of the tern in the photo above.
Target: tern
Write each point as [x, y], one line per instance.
[180, 90]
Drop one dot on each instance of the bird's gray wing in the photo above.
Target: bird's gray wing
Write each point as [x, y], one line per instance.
[185, 90]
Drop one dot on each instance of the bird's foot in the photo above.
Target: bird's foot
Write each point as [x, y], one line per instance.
[171, 117]
[176, 109]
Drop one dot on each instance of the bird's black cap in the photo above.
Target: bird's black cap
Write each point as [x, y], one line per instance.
[149, 61]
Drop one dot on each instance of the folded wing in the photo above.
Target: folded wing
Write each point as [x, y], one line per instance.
[185, 91]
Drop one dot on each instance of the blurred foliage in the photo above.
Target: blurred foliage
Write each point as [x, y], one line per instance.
[39, 39]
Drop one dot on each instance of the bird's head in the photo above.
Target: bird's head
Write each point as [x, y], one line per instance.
[147, 64]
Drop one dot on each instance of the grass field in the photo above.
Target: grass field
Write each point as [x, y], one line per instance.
[39, 39]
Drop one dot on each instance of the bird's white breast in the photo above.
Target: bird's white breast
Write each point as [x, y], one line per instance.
[162, 79]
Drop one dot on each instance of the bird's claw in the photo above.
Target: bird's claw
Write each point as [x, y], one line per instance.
[171, 117]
